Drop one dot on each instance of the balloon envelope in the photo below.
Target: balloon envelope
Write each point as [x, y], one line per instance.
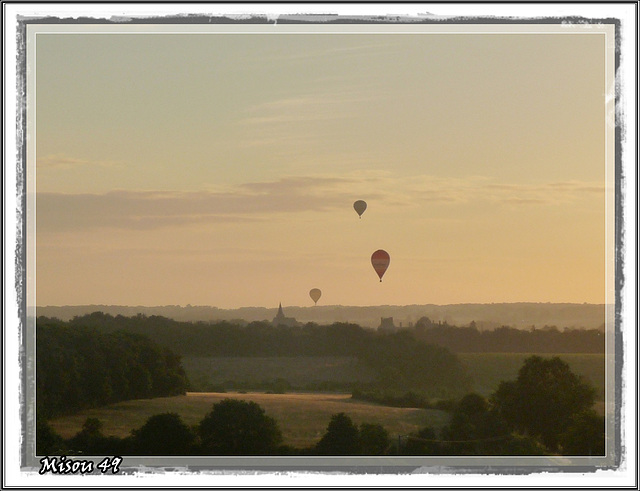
[315, 294]
[380, 262]
[360, 206]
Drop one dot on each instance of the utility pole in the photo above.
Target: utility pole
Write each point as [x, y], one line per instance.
[400, 443]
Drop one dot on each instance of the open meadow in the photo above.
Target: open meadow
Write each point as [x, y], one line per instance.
[302, 417]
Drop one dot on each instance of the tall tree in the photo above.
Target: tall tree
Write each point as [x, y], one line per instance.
[235, 427]
[374, 439]
[585, 435]
[544, 398]
[474, 428]
[341, 438]
[163, 434]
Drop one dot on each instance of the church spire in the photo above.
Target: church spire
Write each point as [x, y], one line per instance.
[281, 320]
[280, 312]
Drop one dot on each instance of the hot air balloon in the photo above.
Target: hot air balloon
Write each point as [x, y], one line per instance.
[380, 262]
[360, 206]
[315, 295]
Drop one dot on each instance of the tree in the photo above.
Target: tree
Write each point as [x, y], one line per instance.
[403, 363]
[544, 398]
[374, 439]
[235, 427]
[423, 442]
[90, 441]
[585, 435]
[162, 434]
[474, 428]
[79, 367]
[341, 438]
[48, 442]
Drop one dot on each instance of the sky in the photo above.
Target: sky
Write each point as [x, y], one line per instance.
[221, 169]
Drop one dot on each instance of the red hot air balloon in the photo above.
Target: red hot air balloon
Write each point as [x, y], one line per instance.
[380, 262]
[315, 295]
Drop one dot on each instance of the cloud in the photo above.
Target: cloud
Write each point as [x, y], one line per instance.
[66, 162]
[256, 201]
[153, 209]
[299, 184]
[141, 210]
[300, 121]
[552, 193]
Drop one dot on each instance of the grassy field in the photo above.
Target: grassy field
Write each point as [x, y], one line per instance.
[489, 369]
[302, 418]
[206, 373]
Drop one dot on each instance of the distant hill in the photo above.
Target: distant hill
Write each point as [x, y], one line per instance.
[486, 316]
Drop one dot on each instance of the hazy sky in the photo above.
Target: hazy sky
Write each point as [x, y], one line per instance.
[221, 169]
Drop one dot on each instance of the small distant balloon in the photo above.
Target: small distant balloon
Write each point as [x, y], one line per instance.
[360, 206]
[380, 262]
[315, 295]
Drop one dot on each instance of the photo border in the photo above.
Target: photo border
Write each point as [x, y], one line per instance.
[357, 465]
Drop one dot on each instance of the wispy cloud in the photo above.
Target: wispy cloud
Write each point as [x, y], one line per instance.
[547, 193]
[256, 201]
[153, 209]
[66, 162]
[298, 121]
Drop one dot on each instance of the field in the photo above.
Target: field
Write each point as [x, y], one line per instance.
[302, 373]
[302, 418]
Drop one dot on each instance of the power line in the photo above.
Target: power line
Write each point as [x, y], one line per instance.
[494, 438]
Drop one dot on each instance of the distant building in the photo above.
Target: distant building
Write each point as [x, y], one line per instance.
[281, 320]
[386, 324]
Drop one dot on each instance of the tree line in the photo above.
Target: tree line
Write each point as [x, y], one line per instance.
[224, 338]
[548, 339]
[547, 410]
[82, 367]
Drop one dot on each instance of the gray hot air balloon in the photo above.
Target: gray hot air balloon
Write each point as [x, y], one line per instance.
[315, 295]
[360, 206]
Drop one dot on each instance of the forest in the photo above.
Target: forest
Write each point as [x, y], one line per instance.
[81, 367]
